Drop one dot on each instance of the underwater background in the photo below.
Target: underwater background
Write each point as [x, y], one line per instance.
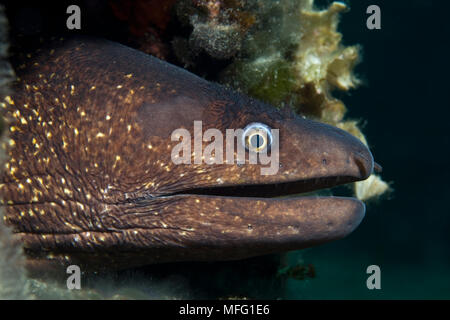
[406, 107]
[404, 110]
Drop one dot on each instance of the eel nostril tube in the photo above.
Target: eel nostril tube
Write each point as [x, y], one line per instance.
[364, 163]
[377, 168]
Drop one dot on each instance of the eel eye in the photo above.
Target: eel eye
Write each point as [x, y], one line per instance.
[257, 137]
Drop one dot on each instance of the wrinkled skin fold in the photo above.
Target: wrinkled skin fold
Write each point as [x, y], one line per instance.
[90, 179]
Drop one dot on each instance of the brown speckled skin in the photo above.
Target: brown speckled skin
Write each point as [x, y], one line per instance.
[90, 180]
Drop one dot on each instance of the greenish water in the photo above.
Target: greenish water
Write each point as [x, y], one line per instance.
[406, 109]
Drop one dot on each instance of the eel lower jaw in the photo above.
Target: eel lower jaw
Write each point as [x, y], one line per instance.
[262, 219]
[229, 228]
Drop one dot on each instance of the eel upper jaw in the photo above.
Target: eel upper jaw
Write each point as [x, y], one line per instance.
[364, 163]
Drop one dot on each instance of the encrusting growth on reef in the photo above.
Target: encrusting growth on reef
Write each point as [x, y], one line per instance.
[13, 281]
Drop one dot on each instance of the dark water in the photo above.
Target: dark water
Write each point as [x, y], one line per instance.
[406, 109]
[405, 102]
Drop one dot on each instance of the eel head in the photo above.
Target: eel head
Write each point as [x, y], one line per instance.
[92, 178]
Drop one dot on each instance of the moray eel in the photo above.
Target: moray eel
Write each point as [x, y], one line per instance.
[90, 179]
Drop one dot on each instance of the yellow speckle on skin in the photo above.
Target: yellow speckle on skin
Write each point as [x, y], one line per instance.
[129, 75]
[119, 86]
[72, 90]
[9, 100]
[75, 130]
[68, 191]
[100, 135]
[93, 88]
[108, 117]
[11, 142]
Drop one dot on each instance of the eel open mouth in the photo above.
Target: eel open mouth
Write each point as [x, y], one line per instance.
[240, 221]
[282, 189]
[272, 190]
